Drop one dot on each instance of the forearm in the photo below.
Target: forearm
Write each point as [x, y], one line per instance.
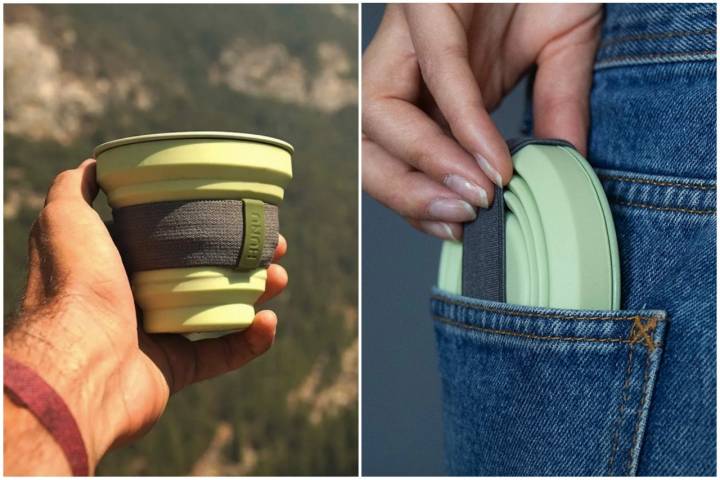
[28, 448]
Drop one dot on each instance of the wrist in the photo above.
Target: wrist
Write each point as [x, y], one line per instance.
[76, 367]
[21, 425]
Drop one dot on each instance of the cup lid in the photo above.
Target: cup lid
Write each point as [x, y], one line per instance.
[245, 137]
[561, 248]
[560, 244]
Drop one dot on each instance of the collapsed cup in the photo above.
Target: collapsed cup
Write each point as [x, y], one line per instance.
[195, 217]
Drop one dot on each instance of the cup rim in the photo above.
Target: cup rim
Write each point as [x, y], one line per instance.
[191, 135]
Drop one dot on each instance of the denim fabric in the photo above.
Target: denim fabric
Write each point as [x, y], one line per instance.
[636, 34]
[545, 392]
[531, 391]
[666, 233]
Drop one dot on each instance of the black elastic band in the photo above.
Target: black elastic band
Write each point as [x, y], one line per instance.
[191, 233]
[483, 262]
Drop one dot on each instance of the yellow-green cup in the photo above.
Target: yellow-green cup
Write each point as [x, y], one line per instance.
[192, 166]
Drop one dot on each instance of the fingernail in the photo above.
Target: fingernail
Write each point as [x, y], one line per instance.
[470, 190]
[451, 210]
[489, 170]
[438, 229]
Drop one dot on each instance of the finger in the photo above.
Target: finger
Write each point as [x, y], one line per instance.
[428, 105]
[409, 192]
[277, 280]
[391, 91]
[67, 222]
[441, 230]
[281, 249]
[78, 184]
[561, 93]
[446, 70]
[216, 356]
[408, 134]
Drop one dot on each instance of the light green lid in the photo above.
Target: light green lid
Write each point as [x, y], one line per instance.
[560, 242]
[561, 249]
[193, 165]
[246, 137]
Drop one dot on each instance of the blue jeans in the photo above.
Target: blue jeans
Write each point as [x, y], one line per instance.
[534, 391]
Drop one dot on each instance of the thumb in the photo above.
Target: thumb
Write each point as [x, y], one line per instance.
[561, 93]
[78, 184]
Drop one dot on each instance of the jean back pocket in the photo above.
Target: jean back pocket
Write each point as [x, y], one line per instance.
[536, 391]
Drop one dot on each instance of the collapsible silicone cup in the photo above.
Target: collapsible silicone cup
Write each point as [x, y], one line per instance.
[191, 166]
[560, 242]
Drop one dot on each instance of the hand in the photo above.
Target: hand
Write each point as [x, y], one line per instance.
[431, 75]
[78, 329]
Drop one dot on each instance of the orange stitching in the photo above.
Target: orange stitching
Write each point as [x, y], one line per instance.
[643, 331]
[528, 335]
[457, 324]
[531, 314]
[663, 209]
[621, 410]
[643, 399]
[650, 36]
[647, 56]
[656, 182]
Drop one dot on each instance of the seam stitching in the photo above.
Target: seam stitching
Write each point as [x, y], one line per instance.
[656, 56]
[621, 410]
[652, 62]
[644, 331]
[643, 399]
[658, 36]
[664, 209]
[539, 315]
[511, 333]
[657, 182]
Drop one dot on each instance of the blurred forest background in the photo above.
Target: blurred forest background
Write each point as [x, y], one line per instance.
[80, 75]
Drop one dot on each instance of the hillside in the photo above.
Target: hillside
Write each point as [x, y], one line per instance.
[79, 75]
